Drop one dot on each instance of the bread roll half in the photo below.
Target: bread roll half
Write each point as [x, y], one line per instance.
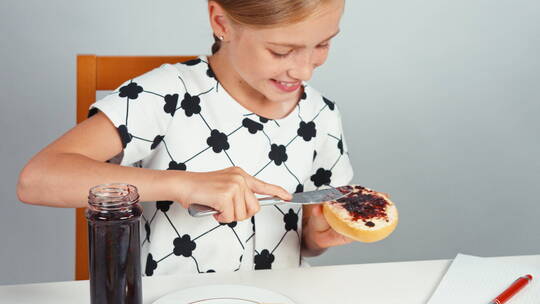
[363, 214]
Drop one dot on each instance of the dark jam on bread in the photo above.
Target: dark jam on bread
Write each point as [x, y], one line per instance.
[348, 189]
[363, 204]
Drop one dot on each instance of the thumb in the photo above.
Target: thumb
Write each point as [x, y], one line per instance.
[316, 210]
[317, 219]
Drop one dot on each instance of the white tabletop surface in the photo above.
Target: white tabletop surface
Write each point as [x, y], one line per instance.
[381, 283]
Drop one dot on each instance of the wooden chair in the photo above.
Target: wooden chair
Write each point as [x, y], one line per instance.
[104, 73]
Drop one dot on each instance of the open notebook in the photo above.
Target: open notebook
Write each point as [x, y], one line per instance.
[476, 280]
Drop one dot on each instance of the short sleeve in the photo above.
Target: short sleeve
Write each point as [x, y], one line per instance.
[331, 164]
[141, 110]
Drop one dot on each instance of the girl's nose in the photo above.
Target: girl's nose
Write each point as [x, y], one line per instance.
[303, 67]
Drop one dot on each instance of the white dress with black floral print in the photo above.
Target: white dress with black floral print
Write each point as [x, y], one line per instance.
[178, 117]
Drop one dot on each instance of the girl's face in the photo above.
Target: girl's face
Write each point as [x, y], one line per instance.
[273, 62]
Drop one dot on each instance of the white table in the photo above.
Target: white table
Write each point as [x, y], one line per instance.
[380, 283]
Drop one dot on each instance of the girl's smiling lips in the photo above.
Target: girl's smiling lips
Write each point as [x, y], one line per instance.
[286, 86]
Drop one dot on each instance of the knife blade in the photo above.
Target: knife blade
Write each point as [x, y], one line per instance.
[302, 198]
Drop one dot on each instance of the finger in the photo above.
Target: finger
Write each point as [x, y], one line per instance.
[217, 215]
[317, 210]
[239, 206]
[317, 220]
[227, 210]
[333, 238]
[339, 239]
[260, 187]
[252, 204]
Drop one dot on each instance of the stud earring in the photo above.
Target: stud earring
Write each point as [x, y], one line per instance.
[220, 37]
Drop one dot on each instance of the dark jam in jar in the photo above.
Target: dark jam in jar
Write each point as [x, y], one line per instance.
[113, 216]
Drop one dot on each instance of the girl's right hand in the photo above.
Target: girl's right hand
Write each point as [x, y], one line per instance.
[230, 191]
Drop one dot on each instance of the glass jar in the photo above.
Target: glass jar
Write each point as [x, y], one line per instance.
[113, 216]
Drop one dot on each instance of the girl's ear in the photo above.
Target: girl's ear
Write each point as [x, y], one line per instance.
[218, 20]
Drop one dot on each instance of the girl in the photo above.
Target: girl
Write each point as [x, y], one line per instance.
[217, 131]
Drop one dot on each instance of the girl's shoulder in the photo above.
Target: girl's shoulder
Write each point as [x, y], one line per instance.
[176, 75]
[321, 107]
[316, 97]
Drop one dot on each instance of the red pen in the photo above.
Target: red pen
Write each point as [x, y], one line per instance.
[512, 290]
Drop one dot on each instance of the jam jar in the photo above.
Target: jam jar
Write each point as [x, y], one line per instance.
[113, 215]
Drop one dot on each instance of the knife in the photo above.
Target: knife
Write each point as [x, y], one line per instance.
[302, 198]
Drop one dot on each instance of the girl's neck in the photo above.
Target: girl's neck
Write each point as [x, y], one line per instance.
[243, 93]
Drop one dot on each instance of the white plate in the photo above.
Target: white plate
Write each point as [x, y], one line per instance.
[224, 294]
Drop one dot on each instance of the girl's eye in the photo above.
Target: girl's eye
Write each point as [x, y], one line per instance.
[323, 45]
[280, 55]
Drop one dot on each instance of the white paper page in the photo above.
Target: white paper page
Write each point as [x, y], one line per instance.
[476, 280]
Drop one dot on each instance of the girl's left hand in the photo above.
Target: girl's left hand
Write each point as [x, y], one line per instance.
[317, 233]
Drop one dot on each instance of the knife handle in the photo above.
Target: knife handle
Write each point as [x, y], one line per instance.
[198, 210]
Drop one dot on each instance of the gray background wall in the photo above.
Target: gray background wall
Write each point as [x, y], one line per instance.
[440, 102]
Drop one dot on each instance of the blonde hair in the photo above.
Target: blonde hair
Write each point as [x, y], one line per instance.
[267, 13]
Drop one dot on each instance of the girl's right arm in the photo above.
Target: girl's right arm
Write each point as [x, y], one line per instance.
[62, 173]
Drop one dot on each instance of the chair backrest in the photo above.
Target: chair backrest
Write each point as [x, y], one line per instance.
[104, 73]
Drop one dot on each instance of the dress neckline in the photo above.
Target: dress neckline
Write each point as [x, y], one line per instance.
[246, 112]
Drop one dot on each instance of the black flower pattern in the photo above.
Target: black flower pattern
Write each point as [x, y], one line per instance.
[184, 246]
[303, 96]
[131, 90]
[125, 137]
[291, 220]
[263, 119]
[321, 177]
[210, 73]
[176, 166]
[329, 103]
[157, 140]
[278, 154]
[92, 112]
[251, 125]
[231, 224]
[307, 130]
[218, 141]
[147, 230]
[192, 62]
[163, 205]
[171, 101]
[264, 260]
[190, 104]
[151, 265]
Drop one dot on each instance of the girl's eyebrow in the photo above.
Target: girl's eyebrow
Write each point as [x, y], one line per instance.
[292, 45]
